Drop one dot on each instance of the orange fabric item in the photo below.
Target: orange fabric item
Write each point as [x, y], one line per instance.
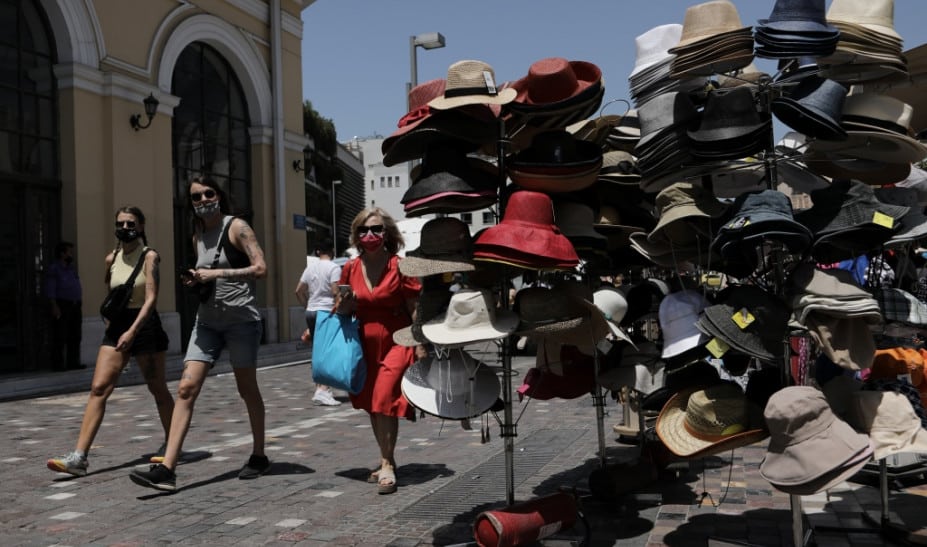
[890, 363]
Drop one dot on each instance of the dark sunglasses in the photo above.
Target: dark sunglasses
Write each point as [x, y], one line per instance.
[197, 196]
[375, 229]
[126, 223]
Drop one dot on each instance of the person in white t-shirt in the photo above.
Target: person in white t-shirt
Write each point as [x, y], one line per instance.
[316, 291]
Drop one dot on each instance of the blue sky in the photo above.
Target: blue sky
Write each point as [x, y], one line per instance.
[356, 52]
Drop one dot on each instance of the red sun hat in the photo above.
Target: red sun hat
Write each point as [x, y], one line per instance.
[555, 79]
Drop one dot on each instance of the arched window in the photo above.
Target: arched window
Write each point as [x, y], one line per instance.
[30, 185]
[210, 137]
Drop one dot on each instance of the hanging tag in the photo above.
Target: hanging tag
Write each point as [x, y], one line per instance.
[717, 347]
[490, 84]
[738, 223]
[743, 318]
[883, 220]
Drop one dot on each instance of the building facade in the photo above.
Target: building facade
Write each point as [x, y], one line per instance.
[227, 78]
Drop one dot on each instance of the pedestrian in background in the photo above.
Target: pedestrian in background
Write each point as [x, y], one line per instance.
[228, 261]
[135, 332]
[64, 293]
[316, 291]
[383, 301]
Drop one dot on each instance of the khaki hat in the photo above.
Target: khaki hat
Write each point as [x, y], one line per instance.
[471, 82]
[890, 421]
[709, 20]
[876, 15]
[471, 316]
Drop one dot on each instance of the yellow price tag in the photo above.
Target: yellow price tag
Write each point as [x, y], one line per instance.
[717, 347]
[743, 318]
[882, 219]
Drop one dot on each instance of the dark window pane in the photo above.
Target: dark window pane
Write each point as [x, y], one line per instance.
[35, 37]
[46, 110]
[9, 66]
[9, 152]
[9, 109]
[8, 23]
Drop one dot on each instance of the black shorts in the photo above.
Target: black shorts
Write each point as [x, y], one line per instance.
[151, 338]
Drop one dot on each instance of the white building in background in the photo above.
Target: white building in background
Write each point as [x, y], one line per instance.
[384, 186]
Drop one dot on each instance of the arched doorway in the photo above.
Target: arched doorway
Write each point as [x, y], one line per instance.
[30, 184]
[210, 137]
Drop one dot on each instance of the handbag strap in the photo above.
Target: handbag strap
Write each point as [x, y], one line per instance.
[222, 241]
[138, 266]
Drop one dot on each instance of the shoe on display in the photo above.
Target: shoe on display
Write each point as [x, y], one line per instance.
[71, 463]
[158, 477]
[256, 466]
[324, 397]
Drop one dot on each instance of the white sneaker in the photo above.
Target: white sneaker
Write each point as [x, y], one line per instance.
[324, 397]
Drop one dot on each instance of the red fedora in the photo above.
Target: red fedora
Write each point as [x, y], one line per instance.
[554, 80]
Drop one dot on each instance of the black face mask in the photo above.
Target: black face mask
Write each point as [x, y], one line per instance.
[126, 235]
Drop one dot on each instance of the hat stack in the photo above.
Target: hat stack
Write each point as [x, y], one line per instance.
[795, 28]
[556, 162]
[467, 127]
[650, 75]
[526, 237]
[555, 93]
[869, 47]
[713, 41]
[731, 127]
[755, 218]
[837, 313]
[913, 225]
[847, 220]
[624, 133]
[449, 181]
[813, 108]
[664, 149]
[748, 320]
[802, 427]
[878, 129]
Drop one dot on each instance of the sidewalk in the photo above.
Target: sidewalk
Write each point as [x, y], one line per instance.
[316, 492]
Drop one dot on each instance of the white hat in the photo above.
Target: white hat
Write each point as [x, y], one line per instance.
[471, 316]
[613, 305]
[652, 46]
[678, 315]
[453, 385]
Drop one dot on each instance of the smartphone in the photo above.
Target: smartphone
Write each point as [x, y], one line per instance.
[184, 272]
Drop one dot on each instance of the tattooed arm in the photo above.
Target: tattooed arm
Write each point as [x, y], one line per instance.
[242, 237]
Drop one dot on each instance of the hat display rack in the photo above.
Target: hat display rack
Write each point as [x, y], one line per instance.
[687, 188]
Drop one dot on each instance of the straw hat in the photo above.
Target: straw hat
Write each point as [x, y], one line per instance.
[471, 82]
[703, 422]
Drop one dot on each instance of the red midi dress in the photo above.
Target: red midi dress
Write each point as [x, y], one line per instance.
[380, 313]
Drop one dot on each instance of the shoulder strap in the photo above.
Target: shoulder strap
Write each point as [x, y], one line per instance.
[138, 266]
[223, 241]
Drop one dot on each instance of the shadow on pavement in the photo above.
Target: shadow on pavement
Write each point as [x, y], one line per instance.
[408, 474]
[287, 468]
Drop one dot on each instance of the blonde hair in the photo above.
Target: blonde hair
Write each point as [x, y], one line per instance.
[392, 239]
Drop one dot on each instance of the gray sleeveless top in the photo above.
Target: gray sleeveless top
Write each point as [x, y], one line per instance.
[233, 300]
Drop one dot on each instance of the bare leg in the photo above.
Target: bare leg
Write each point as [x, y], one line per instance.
[386, 430]
[191, 383]
[246, 379]
[152, 367]
[109, 365]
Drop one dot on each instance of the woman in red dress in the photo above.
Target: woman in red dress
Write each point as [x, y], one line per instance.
[383, 301]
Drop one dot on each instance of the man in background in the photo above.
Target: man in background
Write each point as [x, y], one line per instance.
[63, 289]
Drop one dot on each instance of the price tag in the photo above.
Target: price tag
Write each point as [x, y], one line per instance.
[490, 84]
[882, 219]
[717, 347]
[743, 318]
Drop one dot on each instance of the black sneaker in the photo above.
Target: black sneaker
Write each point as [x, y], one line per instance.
[256, 466]
[158, 477]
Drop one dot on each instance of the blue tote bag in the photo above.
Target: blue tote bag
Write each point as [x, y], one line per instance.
[337, 355]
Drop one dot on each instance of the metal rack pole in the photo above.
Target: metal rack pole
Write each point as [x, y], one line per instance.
[508, 427]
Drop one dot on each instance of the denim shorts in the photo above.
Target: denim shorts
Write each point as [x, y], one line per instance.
[241, 339]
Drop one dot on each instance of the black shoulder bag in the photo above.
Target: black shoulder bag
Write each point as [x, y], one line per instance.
[118, 298]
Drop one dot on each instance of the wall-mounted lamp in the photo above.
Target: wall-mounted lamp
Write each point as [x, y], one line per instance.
[151, 108]
[298, 166]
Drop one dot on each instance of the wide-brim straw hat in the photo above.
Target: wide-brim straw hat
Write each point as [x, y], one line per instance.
[703, 422]
[471, 82]
[453, 386]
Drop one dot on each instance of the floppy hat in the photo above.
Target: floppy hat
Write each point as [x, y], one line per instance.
[613, 305]
[684, 211]
[751, 319]
[802, 428]
[554, 80]
[471, 316]
[453, 386]
[430, 304]
[445, 246]
[526, 231]
[702, 422]
[813, 108]
[890, 421]
[677, 316]
[471, 82]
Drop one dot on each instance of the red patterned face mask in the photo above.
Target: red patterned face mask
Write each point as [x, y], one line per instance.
[371, 242]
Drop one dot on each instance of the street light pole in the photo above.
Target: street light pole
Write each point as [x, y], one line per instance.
[428, 40]
[334, 220]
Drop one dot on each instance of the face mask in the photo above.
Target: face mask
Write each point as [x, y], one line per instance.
[206, 209]
[371, 242]
[126, 235]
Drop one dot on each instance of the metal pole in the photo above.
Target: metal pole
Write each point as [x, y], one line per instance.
[413, 66]
[334, 224]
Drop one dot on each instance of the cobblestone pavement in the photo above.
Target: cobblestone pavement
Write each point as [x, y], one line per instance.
[316, 492]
